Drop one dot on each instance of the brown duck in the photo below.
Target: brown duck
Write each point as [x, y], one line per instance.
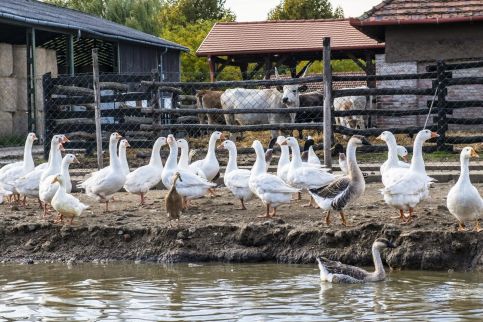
[173, 200]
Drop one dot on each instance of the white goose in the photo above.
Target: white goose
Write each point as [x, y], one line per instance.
[408, 187]
[184, 159]
[27, 154]
[284, 160]
[403, 153]
[305, 177]
[392, 155]
[336, 272]
[209, 165]
[464, 201]
[343, 190]
[65, 204]
[309, 155]
[17, 170]
[272, 190]
[47, 189]
[191, 186]
[104, 184]
[236, 179]
[123, 145]
[141, 180]
[28, 185]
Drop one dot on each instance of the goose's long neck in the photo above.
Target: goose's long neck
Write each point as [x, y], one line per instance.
[296, 157]
[465, 171]
[260, 165]
[184, 158]
[123, 156]
[28, 160]
[211, 148]
[232, 155]
[53, 147]
[61, 191]
[354, 170]
[172, 157]
[156, 155]
[417, 162]
[376, 257]
[64, 169]
[392, 152]
[284, 156]
[113, 159]
[54, 165]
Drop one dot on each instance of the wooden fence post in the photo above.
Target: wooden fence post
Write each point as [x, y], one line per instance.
[327, 104]
[441, 95]
[97, 106]
[47, 92]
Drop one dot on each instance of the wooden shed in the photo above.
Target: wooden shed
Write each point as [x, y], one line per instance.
[38, 37]
[284, 42]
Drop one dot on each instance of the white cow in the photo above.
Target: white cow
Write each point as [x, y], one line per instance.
[346, 103]
[243, 98]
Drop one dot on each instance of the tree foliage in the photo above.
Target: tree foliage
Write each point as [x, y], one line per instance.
[304, 9]
[183, 12]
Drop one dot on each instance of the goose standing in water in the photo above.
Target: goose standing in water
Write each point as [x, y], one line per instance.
[344, 190]
[464, 201]
[336, 272]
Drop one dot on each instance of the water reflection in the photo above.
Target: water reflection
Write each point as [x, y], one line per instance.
[227, 292]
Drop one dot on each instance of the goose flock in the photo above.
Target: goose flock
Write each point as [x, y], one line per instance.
[405, 184]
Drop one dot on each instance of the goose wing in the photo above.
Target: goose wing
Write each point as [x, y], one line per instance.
[339, 270]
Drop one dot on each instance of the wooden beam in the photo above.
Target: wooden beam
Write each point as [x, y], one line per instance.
[267, 67]
[211, 65]
[358, 62]
[327, 126]
[304, 68]
[244, 71]
[70, 55]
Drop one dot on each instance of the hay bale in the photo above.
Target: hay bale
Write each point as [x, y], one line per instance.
[22, 102]
[20, 61]
[6, 60]
[8, 94]
[20, 123]
[7, 123]
[51, 62]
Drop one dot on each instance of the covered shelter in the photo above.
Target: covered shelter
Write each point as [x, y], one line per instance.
[269, 44]
[38, 38]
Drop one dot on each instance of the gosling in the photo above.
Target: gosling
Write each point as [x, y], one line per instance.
[173, 200]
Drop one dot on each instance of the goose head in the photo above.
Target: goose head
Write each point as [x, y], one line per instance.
[227, 145]
[342, 156]
[257, 145]
[31, 137]
[402, 152]
[124, 144]
[171, 140]
[162, 140]
[358, 140]
[280, 140]
[183, 144]
[177, 176]
[217, 135]
[71, 158]
[382, 243]
[115, 137]
[468, 152]
[425, 135]
[65, 139]
[385, 136]
[291, 142]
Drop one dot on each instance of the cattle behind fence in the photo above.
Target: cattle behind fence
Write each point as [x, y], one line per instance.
[142, 108]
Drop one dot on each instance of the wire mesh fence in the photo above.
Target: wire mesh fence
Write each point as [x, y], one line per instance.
[444, 97]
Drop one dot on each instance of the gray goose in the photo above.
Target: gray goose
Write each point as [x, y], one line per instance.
[343, 190]
[336, 272]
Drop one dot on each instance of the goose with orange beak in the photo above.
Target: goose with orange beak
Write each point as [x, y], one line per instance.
[464, 201]
[409, 187]
[65, 204]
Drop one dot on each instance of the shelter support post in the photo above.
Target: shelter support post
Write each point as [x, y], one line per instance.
[327, 104]
[70, 55]
[97, 106]
[212, 67]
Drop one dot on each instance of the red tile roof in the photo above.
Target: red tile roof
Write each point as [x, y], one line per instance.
[390, 12]
[319, 86]
[265, 37]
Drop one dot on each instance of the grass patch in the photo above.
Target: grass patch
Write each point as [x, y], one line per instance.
[11, 140]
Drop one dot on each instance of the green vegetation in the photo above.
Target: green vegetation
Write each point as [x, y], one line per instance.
[304, 9]
[11, 140]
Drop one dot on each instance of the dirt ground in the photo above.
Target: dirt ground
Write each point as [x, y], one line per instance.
[214, 230]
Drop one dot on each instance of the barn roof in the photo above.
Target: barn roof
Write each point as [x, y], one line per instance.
[412, 12]
[283, 36]
[36, 13]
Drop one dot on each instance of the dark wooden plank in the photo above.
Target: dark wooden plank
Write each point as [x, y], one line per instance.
[89, 99]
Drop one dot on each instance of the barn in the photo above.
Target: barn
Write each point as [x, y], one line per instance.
[418, 33]
[37, 38]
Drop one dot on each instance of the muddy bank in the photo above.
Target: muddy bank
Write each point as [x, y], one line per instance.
[214, 231]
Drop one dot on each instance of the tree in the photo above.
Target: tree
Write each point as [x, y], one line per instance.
[182, 12]
[138, 14]
[304, 9]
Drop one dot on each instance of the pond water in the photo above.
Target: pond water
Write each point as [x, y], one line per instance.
[243, 292]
